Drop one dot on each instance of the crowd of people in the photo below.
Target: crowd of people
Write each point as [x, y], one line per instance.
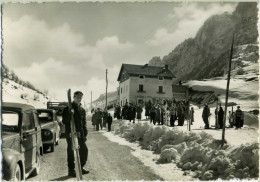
[101, 119]
[235, 118]
[165, 113]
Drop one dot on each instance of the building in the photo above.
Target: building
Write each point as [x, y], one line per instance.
[141, 83]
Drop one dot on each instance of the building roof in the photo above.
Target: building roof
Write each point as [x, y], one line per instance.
[146, 70]
[17, 106]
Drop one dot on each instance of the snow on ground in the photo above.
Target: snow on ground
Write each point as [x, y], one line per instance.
[169, 172]
[198, 153]
[13, 92]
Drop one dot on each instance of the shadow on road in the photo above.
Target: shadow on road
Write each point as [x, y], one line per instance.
[61, 178]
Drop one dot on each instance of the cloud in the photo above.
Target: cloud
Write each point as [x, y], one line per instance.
[184, 22]
[56, 58]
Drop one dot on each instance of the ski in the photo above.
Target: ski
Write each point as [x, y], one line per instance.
[74, 137]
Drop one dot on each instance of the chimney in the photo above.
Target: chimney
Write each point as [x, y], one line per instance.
[166, 67]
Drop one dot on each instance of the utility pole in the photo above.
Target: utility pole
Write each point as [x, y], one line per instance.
[106, 91]
[227, 92]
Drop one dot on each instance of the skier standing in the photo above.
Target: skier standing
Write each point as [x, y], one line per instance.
[81, 128]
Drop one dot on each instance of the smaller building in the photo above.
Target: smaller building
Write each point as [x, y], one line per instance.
[142, 83]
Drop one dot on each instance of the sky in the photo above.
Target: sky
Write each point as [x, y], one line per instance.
[57, 46]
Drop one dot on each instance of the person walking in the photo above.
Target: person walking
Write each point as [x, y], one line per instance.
[139, 111]
[221, 117]
[99, 116]
[205, 116]
[239, 118]
[79, 115]
[109, 121]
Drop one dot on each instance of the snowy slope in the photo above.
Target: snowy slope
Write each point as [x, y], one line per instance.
[13, 92]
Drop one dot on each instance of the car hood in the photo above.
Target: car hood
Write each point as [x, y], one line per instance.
[47, 126]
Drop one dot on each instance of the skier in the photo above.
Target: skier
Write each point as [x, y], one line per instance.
[139, 111]
[205, 116]
[239, 117]
[221, 117]
[109, 121]
[81, 128]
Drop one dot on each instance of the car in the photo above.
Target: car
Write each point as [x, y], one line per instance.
[21, 141]
[50, 128]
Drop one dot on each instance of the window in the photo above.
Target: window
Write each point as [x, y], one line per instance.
[28, 121]
[10, 121]
[141, 88]
[160, 77]
[141, 76]
[160, 89]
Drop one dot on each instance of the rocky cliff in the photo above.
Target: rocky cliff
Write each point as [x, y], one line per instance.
[207, 54]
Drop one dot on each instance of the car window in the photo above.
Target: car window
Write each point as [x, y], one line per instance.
[45, 116]
[28, 121]
[10, 121]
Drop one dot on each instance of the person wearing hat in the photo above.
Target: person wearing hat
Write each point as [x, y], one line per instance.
[81, 128]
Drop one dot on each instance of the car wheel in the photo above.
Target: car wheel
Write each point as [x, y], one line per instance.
[36, 171]
[16, 174]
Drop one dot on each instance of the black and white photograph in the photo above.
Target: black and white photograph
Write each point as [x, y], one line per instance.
[129, 91]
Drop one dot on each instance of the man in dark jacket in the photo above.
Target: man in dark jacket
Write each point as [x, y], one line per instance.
[81, 128]
[205, 116]
[239, 117]
[220, 117]
[99, 116]
[109, 121]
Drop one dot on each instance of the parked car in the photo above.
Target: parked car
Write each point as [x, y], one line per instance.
[50, 128]
[58, 107]
[21, 141]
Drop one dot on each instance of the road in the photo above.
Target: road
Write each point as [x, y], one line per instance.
[107, 161]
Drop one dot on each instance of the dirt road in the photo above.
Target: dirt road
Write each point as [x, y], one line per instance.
[107, 161]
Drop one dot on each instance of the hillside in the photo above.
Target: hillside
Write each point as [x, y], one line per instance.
[207, 54]
[16, 90]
